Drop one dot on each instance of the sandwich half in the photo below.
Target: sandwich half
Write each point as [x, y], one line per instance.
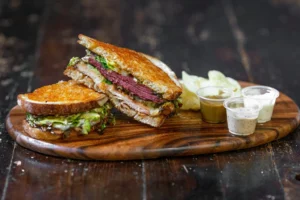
[140, 86]
[55, 111]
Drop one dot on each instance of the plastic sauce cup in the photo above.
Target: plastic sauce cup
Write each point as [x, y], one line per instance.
[211, 103]
[266, 96]
[241, 115]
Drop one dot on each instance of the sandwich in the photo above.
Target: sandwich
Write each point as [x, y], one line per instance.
[138, 85]
[59, 110]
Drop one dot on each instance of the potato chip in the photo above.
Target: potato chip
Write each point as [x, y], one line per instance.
[190, 100]
[192, 83]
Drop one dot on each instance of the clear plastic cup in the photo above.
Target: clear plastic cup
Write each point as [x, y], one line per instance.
[266, 96]
[211, 103]
[242, 115]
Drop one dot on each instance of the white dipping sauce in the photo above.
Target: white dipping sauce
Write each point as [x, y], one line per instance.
[266, 96]
[241, 122]
[267, 101]
[266, 113]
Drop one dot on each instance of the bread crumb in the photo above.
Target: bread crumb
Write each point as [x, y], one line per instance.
[18, 163]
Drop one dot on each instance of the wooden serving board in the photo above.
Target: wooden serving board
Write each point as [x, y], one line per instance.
[182, 135]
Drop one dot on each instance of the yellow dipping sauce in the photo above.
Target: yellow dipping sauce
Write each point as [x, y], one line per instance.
[211, 103]
[213, 111]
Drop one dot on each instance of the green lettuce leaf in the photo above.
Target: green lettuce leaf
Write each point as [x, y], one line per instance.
[86, 127]
[84, 121]
[104, 63]
[73, 61]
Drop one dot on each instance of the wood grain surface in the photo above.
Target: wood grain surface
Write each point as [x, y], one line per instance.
[254, 41]
[184, 134]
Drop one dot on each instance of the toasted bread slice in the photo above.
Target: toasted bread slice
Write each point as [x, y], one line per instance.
[142, 67]
[38, 133]
[120, 103]
[62, 98]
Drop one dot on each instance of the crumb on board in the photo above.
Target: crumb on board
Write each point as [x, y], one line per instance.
[18, 162]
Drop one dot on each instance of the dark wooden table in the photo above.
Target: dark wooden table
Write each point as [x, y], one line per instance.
[257, 41]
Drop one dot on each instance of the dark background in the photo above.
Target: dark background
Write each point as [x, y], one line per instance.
[256, 41]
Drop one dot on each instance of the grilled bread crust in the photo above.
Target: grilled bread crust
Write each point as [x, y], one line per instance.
[164, 67]
[47, 135]
[154, 121]
[62, 98]
[137, 64]
[39, 134]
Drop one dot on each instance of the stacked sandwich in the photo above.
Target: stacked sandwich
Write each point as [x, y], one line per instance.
[138, 85]
[65, 108]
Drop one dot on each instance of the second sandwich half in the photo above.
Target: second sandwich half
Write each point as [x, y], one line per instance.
[138, 85]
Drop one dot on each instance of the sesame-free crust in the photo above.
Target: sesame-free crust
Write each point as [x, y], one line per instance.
[62, 98]
[136, 64]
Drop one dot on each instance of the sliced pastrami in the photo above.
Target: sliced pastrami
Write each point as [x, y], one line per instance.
[126, 82]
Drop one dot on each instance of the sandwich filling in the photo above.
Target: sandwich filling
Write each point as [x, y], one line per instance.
[126, 82]
[120, 78]
[92, 120]
[121, 86]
